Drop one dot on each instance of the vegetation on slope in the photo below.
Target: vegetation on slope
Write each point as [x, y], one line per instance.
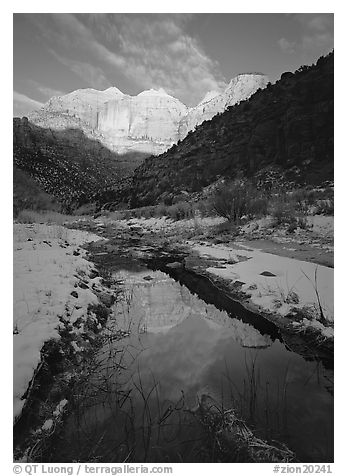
[68, 165]
[27, 194]
[283, 132]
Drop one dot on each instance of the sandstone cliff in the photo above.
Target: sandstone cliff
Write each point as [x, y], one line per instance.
[150, 122]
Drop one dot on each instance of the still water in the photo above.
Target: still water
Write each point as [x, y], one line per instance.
[138, 401]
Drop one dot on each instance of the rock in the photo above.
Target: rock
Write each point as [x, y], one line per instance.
[82, 285]
[175, 265]
[107, 299]
[136, 228]
[267, 273]
[74, 294]
[148, 278]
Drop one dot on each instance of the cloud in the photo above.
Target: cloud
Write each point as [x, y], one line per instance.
[286, 46]
[317, 32]
[315, 38]
[315, 21]
[158, 51]
[151, 50]
[23, 105]
[44, 91]
[49, 92]
[321, 23]
[93, 76]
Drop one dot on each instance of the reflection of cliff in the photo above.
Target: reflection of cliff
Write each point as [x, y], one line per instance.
[69, 165]
[159, 304]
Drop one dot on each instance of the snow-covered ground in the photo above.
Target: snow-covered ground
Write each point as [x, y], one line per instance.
[48, 264]
[163, 223]
[275, 283]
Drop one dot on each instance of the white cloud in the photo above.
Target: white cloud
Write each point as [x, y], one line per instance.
[94, 76]
[23, 104]
[151, 50]
[162, 54]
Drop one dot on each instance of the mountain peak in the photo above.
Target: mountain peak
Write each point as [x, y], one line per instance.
[113, 90]
[154, 92]
[149, 122]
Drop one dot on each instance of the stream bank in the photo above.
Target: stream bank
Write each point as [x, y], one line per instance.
[181, 350]
[183, 262]
[145, 261]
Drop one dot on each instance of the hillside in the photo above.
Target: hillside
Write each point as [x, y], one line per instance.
[284, 130]
[27, 194]
[68, 165]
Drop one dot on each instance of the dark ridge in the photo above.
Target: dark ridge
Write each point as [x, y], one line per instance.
[283, 130]
[28, 194]
[68, 165]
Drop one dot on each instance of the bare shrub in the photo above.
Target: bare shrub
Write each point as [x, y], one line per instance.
[325, 207]
[86, 209]
[238, 198]
[283, 211]
[180, 211]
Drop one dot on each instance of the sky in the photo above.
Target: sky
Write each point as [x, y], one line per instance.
[187, 55]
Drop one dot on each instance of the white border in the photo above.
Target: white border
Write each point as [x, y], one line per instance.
[251, 6]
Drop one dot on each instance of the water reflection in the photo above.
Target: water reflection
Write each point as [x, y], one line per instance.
[180, 348]
[157, 303]
[194, 347]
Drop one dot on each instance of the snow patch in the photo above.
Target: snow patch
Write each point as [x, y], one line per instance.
[293, 285]
[46, 272]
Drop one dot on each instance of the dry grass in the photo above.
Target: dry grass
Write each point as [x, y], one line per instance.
[47, 217]
[231, 440]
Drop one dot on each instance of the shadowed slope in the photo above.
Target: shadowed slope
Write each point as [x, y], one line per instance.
[285, 129]
[68, 165]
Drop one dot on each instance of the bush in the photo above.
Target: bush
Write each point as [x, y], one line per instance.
[238, 198]
[180, 211]
[325, 207]
[86, 209]
[258, 206]
[284, 213]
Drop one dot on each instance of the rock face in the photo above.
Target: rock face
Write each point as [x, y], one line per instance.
[84, 104]
[150, 122]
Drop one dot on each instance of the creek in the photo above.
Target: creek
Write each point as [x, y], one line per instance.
[139, 400]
